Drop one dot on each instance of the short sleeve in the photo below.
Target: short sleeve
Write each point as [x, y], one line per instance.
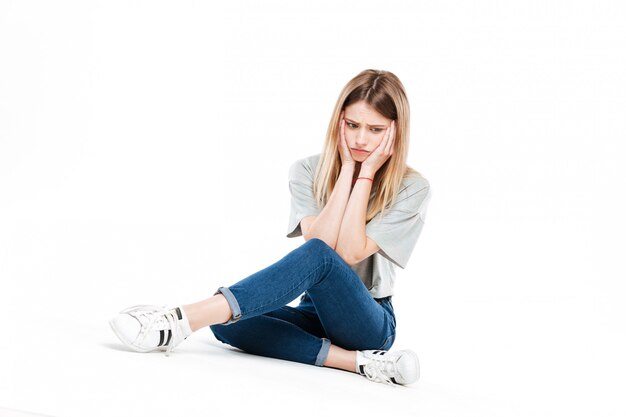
[397, 231]
[303, 204]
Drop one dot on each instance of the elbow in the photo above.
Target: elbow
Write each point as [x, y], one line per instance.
[308, 236]
[348, 258]
[351, 261]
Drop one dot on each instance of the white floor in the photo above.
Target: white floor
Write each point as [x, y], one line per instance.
[65, 365]
[91, 374]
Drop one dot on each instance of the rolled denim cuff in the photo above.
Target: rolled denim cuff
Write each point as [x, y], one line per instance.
[232, 302]
[323, 354]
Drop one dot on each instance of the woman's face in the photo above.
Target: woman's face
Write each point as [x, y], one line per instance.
[365, 129]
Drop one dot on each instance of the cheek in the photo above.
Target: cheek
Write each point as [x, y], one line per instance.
[377, 139]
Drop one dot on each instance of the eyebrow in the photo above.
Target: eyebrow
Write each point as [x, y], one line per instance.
[352, 121]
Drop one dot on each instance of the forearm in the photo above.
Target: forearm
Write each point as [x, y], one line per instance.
[352, 239]
[326, 225]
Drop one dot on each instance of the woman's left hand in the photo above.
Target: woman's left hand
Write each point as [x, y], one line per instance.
[384, 150]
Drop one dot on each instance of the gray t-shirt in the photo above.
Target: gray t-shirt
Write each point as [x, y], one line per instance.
[395, 234]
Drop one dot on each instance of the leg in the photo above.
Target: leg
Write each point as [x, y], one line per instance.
[255, 317]
[273, 337]
[290, 333]
[350, 316]
[214, 310]
[218, 310]
[348, 313]
[287, 333]
[341, 359]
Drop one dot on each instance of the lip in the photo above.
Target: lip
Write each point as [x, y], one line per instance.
[360, 150]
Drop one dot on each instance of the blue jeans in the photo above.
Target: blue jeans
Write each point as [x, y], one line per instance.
[335, 308]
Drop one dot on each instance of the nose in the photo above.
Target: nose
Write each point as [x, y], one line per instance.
[360, 138]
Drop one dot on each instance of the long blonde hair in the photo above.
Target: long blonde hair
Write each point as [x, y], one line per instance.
[385, 93]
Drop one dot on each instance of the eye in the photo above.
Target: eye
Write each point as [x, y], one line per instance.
[351, 125]
[377, 129]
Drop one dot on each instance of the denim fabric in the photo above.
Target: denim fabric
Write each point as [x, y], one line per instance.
[335, 307]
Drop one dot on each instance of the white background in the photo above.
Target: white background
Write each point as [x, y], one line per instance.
[144, 151]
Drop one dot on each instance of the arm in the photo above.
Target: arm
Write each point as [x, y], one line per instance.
[326, 225]
[352, 244]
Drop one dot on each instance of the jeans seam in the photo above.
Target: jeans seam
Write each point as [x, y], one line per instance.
[384, 345]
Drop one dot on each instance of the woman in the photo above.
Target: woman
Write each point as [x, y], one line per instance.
[360, 210]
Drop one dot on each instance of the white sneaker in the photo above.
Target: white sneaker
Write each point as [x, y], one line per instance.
[145, 328]
[400, 367]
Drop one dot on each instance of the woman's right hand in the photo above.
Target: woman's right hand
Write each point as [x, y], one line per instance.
[342, 145]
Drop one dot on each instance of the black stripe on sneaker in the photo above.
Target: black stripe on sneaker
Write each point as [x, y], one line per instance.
[394, 381]
[362, 369]
[169, 337]
[179, 313]
[162, 333]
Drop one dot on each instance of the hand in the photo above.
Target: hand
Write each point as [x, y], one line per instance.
[383, 152]
[342, 145]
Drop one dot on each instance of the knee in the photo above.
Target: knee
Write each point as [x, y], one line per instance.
[320, 247]
[326, 253]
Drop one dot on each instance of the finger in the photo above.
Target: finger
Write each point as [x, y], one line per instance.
[343, 143]
[392, 139]
[382, 147]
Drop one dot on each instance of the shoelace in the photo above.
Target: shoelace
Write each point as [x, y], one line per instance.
[155, 315]
[378, 370]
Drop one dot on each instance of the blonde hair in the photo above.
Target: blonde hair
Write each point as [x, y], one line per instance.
[383, 91]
